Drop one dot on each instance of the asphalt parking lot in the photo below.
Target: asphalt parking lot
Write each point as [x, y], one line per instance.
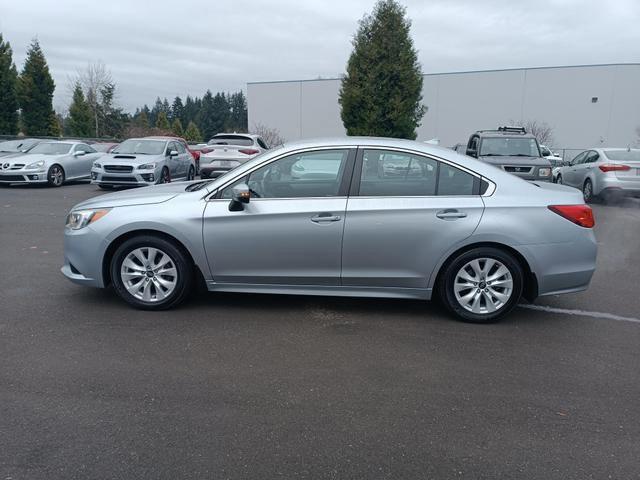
[252, 386]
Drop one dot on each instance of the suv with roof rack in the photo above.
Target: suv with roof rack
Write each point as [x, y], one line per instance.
[511, 149]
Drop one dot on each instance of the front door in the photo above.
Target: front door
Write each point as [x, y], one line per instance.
[570, 173]
[405, 213]
[290, 233]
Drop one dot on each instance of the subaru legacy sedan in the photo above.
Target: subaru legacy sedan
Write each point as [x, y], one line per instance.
[351, 216]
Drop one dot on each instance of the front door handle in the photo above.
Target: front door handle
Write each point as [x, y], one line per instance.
[325, 217]
[450, 214]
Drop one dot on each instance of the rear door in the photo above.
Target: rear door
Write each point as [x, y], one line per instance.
[405, 210]
[290, 233]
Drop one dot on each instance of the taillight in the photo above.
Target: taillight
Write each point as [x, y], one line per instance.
[613, 167]
[249, 151]
[207, 150]
[579, 214]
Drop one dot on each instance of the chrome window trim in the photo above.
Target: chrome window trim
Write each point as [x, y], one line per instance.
[490, 189]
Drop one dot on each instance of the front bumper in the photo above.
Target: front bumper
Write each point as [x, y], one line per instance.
[23, 176]
[135, 178]
[83, 253]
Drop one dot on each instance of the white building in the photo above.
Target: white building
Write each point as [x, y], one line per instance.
[586, 105]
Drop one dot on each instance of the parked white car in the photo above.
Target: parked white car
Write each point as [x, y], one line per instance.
[49, 162]
[553, 157]
[226, 151]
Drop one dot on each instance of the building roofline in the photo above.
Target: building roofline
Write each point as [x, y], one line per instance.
[629, 64]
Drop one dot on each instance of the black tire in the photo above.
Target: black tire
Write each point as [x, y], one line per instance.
[559, 180]
[454, 265]
[55, 176]
[192, 174]
[164, 176]
[587, 192]
[183, 266]
[105, 187]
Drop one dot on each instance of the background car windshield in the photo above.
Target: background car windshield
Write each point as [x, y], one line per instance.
[17, 145]
[51, 148]
[509, 146]
[102, 147]
[623, 155]
[231, 140]
[140, 147]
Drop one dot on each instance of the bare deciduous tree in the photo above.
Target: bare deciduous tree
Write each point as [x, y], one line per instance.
[541, 130]
[94, 80]
[270, 135]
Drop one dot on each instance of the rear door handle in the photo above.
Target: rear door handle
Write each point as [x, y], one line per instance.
[325, 217]
[450, 214]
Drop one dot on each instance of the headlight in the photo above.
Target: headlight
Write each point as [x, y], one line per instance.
[97, 165]
[544, 172]
[147, 166]
[33, 166]
[81, 218]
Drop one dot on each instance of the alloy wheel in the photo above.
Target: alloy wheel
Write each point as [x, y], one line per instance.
[587, 191]
[56, 176]
[149, 274]
[483, 285]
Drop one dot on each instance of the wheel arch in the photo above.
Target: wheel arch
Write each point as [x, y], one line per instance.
[530, 287]
[116, 242]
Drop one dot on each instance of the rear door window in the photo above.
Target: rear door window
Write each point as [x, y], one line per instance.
[387, 173]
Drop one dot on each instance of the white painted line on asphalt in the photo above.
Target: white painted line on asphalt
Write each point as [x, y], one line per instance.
[581, 313]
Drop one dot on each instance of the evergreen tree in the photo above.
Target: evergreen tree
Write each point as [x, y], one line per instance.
[189, 111]
[153, 114]
[162, 122]
[382, 91]
[177, 109]
[113, 119]
[176, 128]
[141, 119]
[238, 114]
[220, 113]
[8, 91]
[56, 126]
[80, 116]
[35, 90]
[192, 134]
[207, 122]
[166, 108]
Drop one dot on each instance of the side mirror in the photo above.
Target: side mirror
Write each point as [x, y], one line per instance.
[472, 153]
[79, 153]
[565, 163]
[239, 196]
[173, 153]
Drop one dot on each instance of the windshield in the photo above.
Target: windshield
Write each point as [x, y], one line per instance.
[102, 147]
[53, 148]
[140, 147]
[17, 145]
[623, 155]
[231, 140]
[501, 147]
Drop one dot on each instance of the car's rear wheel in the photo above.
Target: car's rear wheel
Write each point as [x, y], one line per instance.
[151, 273]
[587, 191]
[481, 285]
[55, 176]
[559, 180]
[164, 176]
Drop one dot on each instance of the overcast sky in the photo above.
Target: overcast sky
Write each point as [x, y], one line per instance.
[167, 47]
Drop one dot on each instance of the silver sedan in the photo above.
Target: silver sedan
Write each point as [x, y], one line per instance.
[49, 162]
[603, 173]
[350, 217]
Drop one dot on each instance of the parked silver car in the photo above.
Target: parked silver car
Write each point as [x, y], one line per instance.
[226, 151]
[453, 226]
[49, 162]
[603, 173]
[144, 161]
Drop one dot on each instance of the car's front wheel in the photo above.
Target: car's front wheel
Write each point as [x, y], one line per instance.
[559, 180]
[481, 285]
[192, 174]
[55, 176]
[151, 273]
[164, 176]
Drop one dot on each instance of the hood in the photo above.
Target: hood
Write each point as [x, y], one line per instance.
[130, 159]
[511, 160]
[137, 196]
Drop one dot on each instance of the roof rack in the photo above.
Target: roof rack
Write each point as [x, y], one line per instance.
[506, 129]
